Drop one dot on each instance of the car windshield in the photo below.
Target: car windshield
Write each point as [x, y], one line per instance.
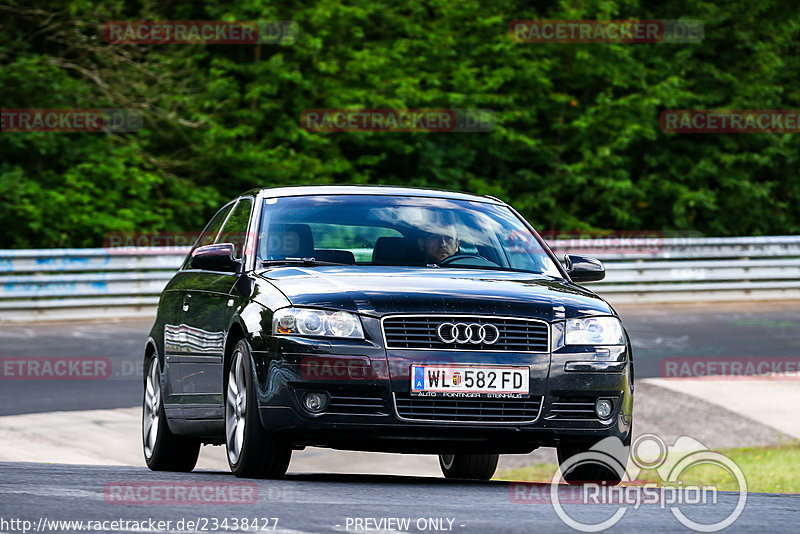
[398, 231]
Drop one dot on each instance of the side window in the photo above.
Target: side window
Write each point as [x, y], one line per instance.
[210, 233]
[235, 230]
[211, 230]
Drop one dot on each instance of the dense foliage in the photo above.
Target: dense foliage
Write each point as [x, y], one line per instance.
[577, 143]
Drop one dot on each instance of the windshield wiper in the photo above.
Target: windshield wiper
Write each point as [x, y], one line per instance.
[306, 262]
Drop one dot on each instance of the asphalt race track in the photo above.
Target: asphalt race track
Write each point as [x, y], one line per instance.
[333, 503]
[721, 330]
[319, 502]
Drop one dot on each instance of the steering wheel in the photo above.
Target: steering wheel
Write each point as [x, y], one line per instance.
[463, 258]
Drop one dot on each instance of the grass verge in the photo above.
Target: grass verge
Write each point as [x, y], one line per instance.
[766, 469]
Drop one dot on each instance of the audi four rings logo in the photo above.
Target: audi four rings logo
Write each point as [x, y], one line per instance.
[474, 333]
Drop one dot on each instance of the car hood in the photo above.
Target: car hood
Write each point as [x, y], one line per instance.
[378, 291]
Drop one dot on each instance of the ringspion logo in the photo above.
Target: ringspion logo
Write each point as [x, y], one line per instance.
[626, 462]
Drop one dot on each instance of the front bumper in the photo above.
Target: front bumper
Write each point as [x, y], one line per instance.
[371, 420]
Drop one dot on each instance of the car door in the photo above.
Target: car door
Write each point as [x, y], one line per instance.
[208, 310]
[184, 344]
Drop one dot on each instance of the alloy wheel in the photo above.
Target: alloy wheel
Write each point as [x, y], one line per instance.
[236, 407]
[152, 409]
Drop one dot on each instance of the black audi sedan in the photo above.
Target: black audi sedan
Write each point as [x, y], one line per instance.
[382, 319]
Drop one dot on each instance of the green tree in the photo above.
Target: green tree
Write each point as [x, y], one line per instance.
[577, 143]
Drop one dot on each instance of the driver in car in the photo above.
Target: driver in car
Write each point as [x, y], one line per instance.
[437, 247]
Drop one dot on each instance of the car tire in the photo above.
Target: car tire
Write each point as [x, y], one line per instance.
[163, 450]
[251, 451]
[598, 468]
[468, 466]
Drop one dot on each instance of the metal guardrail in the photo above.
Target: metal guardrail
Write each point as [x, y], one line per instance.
[92, 283]
[59, 284]
[693, 269]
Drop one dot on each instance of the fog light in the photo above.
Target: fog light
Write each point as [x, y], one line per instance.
[315, 402]
[603, 408]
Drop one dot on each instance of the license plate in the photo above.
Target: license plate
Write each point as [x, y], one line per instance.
[469, 381]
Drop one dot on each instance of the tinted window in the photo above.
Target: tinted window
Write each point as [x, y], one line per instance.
[413, 231]
[360, 240]
[211, 230]
[235, 230]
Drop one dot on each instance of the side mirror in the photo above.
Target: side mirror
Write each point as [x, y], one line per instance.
[217, 257]
[584, 268]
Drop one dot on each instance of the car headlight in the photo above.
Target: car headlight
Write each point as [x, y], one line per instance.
[306, 322]
[594, 331]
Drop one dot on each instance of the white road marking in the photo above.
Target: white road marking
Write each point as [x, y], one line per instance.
[53, 491]
[772, 403]
[113, 437]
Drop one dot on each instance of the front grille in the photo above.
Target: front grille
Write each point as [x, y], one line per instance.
[573, 408]
[467, 409]
[356, 403]
[420, 333]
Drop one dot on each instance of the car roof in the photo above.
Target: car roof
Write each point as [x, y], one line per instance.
[369, 190]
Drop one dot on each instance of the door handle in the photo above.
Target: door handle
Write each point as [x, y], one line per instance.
[186, 300]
